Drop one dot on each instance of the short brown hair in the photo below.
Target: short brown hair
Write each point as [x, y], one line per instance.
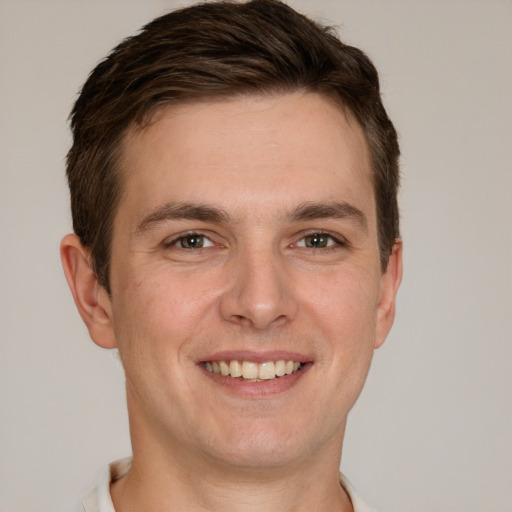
[217, 49]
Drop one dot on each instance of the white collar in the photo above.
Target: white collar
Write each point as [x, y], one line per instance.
[99, 499]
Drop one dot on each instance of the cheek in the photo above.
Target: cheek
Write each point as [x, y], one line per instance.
[346, 301]
[160, 309]
[152, 322]
[344, 309]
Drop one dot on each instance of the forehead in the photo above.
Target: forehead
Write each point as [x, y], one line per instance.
[247, 152]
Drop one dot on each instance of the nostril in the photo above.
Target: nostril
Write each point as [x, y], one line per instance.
[257, 323]
[241, 320]
[281, 319]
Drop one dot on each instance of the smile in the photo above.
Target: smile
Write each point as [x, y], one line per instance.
[251, 371]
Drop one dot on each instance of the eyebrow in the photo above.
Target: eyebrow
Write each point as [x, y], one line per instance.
[179, 211]
[208, 213]
[335, 210]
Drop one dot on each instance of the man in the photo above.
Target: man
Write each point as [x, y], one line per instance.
[233, 182]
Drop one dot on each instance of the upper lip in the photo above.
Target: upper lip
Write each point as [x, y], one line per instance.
[256, 356]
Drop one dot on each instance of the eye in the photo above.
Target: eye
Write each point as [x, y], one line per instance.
[318, 241]
[191, 241]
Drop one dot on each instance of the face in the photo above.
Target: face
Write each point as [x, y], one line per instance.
[245, 243]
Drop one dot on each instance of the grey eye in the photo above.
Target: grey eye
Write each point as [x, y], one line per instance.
[317, 241]
[193, 241]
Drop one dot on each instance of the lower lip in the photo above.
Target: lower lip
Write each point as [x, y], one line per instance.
[261, 389]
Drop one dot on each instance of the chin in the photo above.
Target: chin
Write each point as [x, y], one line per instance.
[262, 447]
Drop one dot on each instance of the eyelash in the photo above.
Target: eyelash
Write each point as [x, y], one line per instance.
[333, 242]
[174, 242]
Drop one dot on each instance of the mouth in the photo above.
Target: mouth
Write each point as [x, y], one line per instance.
[250, 371]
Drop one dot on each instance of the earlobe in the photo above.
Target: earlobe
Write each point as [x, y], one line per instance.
[390, 283]
[91, 299]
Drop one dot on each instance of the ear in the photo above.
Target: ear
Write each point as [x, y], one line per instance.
[91, 299]
[390, 282]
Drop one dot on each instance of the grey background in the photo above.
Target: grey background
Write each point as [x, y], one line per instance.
[432, 430]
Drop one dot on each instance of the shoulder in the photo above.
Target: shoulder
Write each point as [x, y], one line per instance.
[357, 502]
[99, 499]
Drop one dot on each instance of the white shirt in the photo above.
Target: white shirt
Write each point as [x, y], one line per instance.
[99, 499]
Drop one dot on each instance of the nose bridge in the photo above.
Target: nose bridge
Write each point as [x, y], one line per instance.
[260, 295]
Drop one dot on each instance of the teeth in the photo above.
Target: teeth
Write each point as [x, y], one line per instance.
[224, 368]
[235, 369]
[280, 368]
[267, 371]
[249, 370]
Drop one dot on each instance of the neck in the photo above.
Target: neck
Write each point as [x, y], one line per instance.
[154, 488]
[175, 480]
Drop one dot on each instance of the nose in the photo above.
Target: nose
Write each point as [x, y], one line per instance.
[260, 295]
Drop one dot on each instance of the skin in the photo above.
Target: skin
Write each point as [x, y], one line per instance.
[266, 173]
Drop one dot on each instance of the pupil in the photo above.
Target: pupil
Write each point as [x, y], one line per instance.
[192, 241]
[316, 241]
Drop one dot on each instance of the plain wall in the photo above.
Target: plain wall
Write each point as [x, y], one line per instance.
[432, 429]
